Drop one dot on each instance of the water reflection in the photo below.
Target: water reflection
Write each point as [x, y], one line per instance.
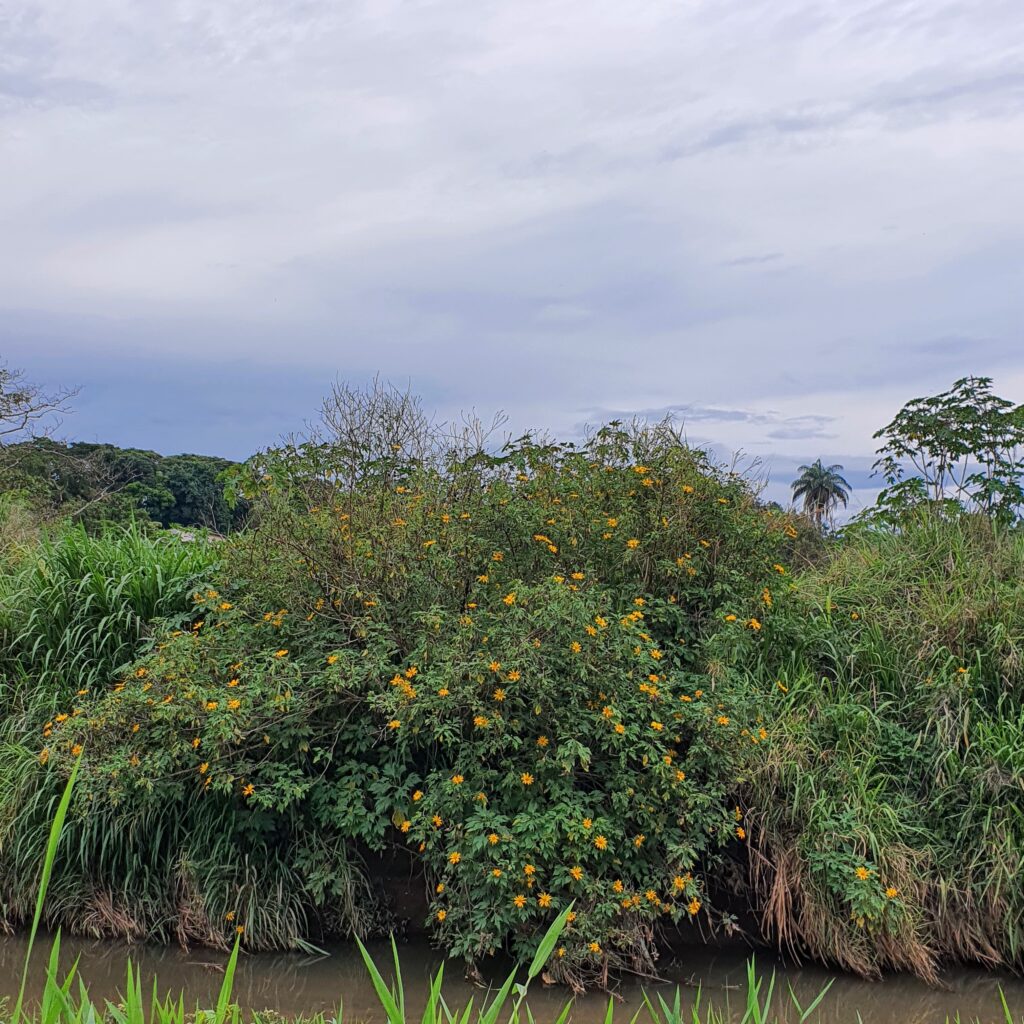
[294, 983]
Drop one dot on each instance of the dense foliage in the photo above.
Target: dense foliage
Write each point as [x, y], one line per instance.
[492, 663]
[603, 674]
[101, 483]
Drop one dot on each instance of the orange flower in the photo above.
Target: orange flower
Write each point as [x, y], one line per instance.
[576, 872]
[519, 901]
[526, 779]
[454, 857]
[281, 653]
[600, 842]
[544, 900]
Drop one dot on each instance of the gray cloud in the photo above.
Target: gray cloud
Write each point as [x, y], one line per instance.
[777, 221]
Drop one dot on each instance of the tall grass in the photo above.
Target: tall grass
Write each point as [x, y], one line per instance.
[73, 610]
[896, 669]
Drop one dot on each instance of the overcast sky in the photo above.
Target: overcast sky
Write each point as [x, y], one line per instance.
[779, 219]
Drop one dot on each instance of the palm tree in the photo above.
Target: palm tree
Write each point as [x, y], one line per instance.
[822, 489]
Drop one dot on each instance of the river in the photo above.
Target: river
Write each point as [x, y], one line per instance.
[295, 984]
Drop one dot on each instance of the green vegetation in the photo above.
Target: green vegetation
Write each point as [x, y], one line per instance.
[601, 676]
[101, 483]
[60, 1003]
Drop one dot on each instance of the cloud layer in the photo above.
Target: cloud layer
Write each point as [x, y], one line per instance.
[776, 220]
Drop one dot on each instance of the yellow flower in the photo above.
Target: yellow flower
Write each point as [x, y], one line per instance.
[281, 653]
[229, 916]
[693, 906]
[576, 872]
[497, 557]
[499, 694]
[510, 599]
[495, 666]
[575, 647]
[891, 893]
[248, 789]
[730, 618]
[331, 659]
[657, 726]
[493, 839]
[544, 900]
[443, 692]
[204, 767]
[480, 721]
[394, 724]
[418, 795]
[638, 841]
[620, 728]
[513, 676]
[594, 947]
[458, 780]
[196, 742]
[560, 952]
[496, 872]
[600, 842]
[232, 682]
[632, 543]
[587, 822]
[542, 741]
[442, 914]
[526, 779]
[617, 885]
[741, 832]
[437, 821]
[723, 719]
[234, 705]
[44, 755]
[519, 901]
[754, 624]
[454, 857]
[862, 873]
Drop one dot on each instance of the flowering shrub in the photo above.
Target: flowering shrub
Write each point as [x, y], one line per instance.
[491, 665]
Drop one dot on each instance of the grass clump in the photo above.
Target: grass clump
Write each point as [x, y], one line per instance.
[887, 813]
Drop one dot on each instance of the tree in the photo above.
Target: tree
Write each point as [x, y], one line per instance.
[822, 489]
[961, 449]
[24, 405]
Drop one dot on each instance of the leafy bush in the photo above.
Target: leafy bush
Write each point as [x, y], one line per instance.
[487, 665]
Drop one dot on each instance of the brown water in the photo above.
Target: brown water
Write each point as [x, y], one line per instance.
[294, 984]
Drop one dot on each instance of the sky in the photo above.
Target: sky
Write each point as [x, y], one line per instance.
[777, 221]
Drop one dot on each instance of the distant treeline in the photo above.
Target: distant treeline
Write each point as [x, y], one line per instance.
[101, 483]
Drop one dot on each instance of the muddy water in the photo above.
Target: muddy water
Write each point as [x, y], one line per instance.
[295, 984]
